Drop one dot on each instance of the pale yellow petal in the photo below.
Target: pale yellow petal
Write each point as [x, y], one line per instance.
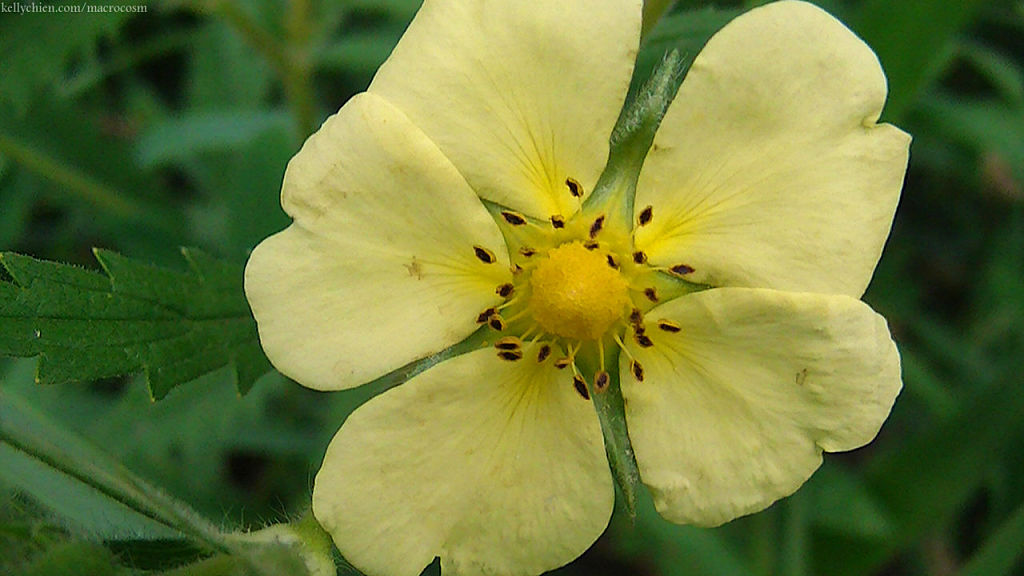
[769, 170]
[519, 95]
[736, 407]
[380, 266]
[495, 466]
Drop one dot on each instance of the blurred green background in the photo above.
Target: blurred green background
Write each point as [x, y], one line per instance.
[145, 132]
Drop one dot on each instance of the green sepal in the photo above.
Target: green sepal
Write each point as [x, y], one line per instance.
[653, 10]
[611, 411]
[631, 139]
[173, 326]
[482, 338]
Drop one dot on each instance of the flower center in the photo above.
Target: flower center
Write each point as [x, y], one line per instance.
[576, 294]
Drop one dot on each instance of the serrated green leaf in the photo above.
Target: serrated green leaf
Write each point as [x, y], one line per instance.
[173, 326]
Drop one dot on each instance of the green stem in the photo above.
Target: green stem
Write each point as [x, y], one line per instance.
[31, 433]
[291, 61]
[26, 430]
[298, 81]
[762, 547]
[793, 556]
[631, 139]
[254, 34]
[86, 187]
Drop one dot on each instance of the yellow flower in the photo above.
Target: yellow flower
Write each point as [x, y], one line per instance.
[445, 203]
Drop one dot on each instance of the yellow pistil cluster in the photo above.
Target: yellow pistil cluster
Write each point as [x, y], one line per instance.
[578, 287]
[576, 294]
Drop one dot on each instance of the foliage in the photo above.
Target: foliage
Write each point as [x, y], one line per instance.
[85, 326]
[140, 133]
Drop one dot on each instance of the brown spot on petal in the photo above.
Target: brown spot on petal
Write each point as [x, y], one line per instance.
[557, 222]
[801, 377]
[415, 269]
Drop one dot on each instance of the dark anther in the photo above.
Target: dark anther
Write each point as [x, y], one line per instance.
[505, 290]
[612, 262]
[486, 315]
[681, 269]
[581, 387]
[636, 317]
[563, 362]
[545, 351]
[575, 188]
[508, 343]
[639, 257]
[668, 326]
[645, 215]
[601, 381]
[557, 222]
[595, 228]
[651, 294]
[637, 370]
[485, 255]
[643, 340]
[513, 218]
[591, 244]
[510, 355]
[527, 251]
[496, 322]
